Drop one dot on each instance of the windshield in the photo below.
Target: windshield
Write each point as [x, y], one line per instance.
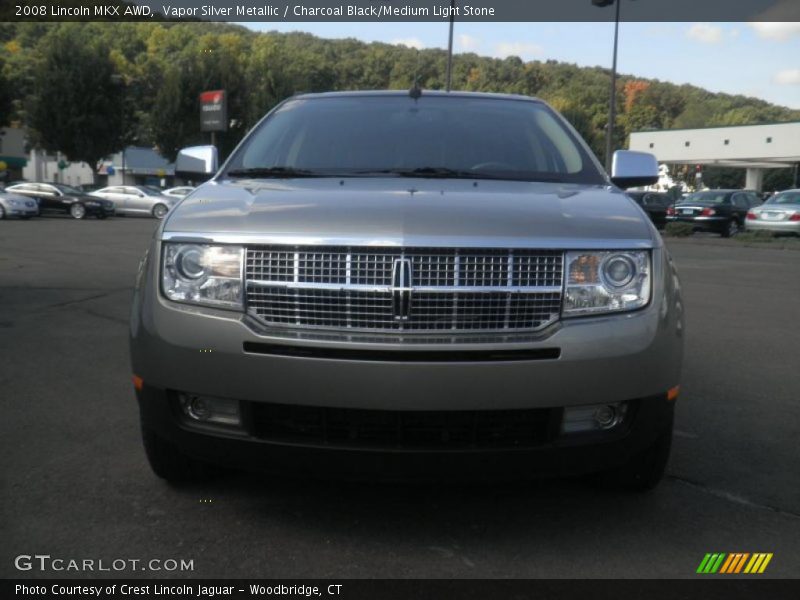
[67, 189]
[706, 197]
[785, 198]
[434, 136]
[149, 190]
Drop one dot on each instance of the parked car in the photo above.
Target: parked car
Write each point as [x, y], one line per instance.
[717, 211]
[779, 214]
[655, 204]
[180, 191]
[396, 284]
[17, 205]
[137, 200]
[57, 198]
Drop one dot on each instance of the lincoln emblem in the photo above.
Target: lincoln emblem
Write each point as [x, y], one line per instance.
[401, 289]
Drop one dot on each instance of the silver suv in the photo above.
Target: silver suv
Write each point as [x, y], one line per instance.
[394, 285]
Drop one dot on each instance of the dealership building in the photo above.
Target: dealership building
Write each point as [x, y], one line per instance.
[755, 148]
[133, 166]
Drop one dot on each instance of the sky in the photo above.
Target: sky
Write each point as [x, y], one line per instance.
[754, 59]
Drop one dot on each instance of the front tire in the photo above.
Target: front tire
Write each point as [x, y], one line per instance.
[642, 472]
[160, 211]
[171, 464]
[77, 211]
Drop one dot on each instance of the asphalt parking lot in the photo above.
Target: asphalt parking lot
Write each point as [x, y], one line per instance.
[75, 483]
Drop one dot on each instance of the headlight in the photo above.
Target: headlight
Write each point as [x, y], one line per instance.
[203, 274]
[603, 282]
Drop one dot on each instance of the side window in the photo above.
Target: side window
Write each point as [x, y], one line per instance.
[739, 201]
[47, 189]
[753, 200]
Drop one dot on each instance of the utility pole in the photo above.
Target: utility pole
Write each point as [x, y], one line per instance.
[612, 112]
[450, 45]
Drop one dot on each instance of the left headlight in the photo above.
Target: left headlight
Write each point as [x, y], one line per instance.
[605, 282]
[203, 274]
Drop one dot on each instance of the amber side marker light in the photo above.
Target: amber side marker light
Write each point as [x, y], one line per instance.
[138, 383]
[672, 394]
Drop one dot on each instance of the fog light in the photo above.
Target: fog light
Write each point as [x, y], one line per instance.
[207, 409]
[596, 417]
[605, 416]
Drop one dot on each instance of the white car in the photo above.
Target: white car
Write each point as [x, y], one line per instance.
[779, 214]
[179, 192]
[16, 205]
[137, 200]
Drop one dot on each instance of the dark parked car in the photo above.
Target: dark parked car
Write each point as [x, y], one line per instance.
[655, 204]
[56, 198]
[717, 211]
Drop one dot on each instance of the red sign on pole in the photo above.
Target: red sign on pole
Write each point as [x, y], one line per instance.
[213, 111]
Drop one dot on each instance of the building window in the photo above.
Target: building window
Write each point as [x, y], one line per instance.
[769, 140]
[652, 145]
[687, 144]
[727, 142]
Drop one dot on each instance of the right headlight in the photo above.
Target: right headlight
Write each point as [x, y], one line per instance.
[205, 274]
[606, 282]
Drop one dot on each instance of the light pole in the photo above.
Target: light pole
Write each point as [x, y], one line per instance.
[450, 45]
[612, 112]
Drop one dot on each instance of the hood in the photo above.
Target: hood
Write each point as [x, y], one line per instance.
[416, 212]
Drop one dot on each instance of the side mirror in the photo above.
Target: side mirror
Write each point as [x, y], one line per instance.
[196, 162]
[633, 169]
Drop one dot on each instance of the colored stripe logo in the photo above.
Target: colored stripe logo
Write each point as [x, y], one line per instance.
[734, 563]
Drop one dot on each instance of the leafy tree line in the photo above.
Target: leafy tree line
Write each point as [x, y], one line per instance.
[87, 89]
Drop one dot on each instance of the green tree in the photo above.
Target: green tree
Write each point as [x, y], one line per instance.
[161, 68]
[6, 97]
[78, 104]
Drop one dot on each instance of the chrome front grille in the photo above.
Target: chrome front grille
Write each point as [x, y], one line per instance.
[404, 289]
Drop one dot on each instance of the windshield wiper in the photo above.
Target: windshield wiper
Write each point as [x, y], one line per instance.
[427, 172]
[277, 172]
[447, 173]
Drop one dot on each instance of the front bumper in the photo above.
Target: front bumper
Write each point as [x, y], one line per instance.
[21, 211]
[554, 455]
[634, 356]
[106, 211]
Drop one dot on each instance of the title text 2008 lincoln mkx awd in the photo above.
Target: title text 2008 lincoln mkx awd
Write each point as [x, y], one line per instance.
[409, 284]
